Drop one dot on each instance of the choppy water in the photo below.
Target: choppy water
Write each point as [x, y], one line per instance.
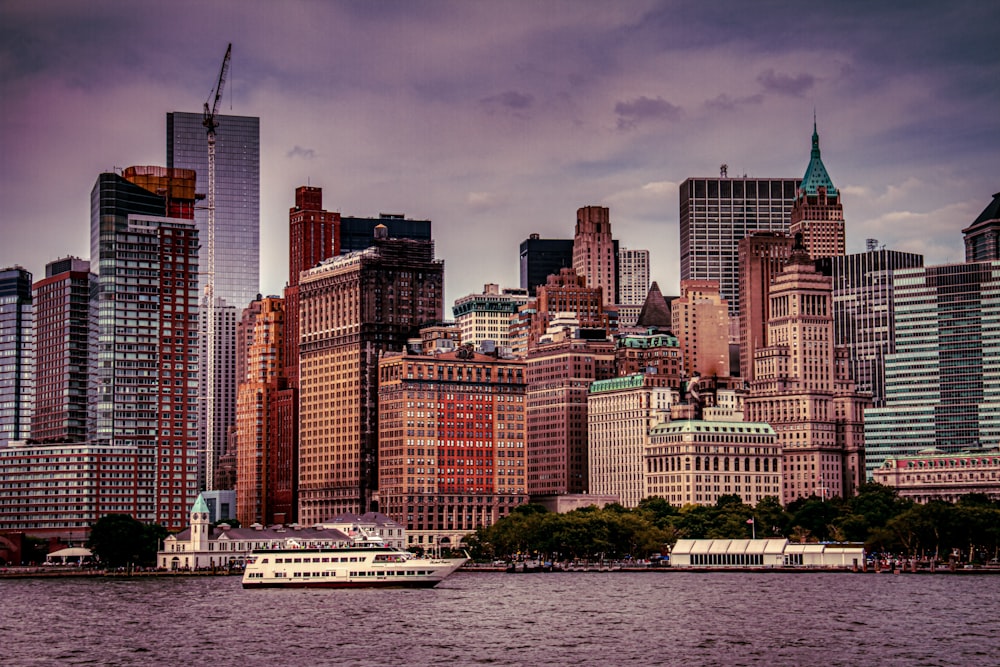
[578, 619]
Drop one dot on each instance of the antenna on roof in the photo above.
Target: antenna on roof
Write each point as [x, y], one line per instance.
[871, 244]
[724, 171]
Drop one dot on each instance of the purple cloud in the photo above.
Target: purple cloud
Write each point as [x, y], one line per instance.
[785, 84]
[726, 103]
[510, 100]
[299, 151]
[645, 108]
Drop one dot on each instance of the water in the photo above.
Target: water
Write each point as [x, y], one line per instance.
[579, 619]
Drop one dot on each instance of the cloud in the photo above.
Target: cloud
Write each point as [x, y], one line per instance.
[483, 201]
[785, 84]
[508, 101]
[645, 108]
[726, 103]
[305, 153]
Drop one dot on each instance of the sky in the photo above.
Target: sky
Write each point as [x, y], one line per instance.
[500, 119]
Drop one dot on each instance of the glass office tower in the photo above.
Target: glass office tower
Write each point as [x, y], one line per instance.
[237, 197]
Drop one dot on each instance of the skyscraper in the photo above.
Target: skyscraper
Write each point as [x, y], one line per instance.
[63, 336]
[715, 213]
[802, 388]
[147, 364]
[818, 214]
[353, 309]
[762, 256]
[864, 311]
[235, 266]
[17, 354]
[357, 233]
[541, 258]
[258, 463]
[595, 255]
[942, 388]
[633, 276]
[237, 197]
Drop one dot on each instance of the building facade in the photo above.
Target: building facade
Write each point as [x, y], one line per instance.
[621, 412]
[935, 475]
[452, 443]
[61, 490]
[701, 323]
[353, 309]
[595, 254]
[540, 258]
[487, 316]
[942, 383]
[762, 256]
[17, 354]
[146, 374]
[803, 389]
[633, 276]
[237, 197]
[695, 462]
[715, 213]
[818, 213]
[260, 497]
[864, 312]
[357, 233]
[63, 334]
[559, 375]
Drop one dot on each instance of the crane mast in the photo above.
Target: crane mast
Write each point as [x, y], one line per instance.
[211, 122]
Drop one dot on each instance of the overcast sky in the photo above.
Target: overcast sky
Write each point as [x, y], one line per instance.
[499, 119]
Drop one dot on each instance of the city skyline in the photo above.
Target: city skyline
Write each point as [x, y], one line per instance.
[498, 121]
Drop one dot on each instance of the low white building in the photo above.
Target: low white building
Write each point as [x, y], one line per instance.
[766, 553]
[201, 546]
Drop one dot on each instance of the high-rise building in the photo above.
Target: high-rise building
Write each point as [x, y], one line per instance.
[942, 389]
[633, 276]
[567, 292]
[701, 324]
[715, 213]
[595, 254]
[147, 362]
[235, 263]
[63, 336]
[818, 214]
[541, 258]
[258, 461]
[559, 374]
[358, 233]
[452, 454]
[762, 256]
[863, 311]
[982, 237]
[237, 197]
[17, 354]
[621, 412]
[487, 316]
[353, 309]
[803, 390]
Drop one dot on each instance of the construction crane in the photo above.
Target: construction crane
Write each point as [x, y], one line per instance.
[211, 122]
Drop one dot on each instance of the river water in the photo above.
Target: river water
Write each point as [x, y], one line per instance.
[579, 619]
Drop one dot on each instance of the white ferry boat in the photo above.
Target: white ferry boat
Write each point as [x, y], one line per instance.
[367, 566]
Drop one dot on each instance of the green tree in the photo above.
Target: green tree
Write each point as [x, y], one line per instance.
[119, 540]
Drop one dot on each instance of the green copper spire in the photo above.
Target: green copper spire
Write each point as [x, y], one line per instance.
[200, 505]
[816, 176]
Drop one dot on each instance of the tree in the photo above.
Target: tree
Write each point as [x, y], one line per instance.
[119, 540]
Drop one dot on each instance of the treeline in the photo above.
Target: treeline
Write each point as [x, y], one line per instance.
[876, 517]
